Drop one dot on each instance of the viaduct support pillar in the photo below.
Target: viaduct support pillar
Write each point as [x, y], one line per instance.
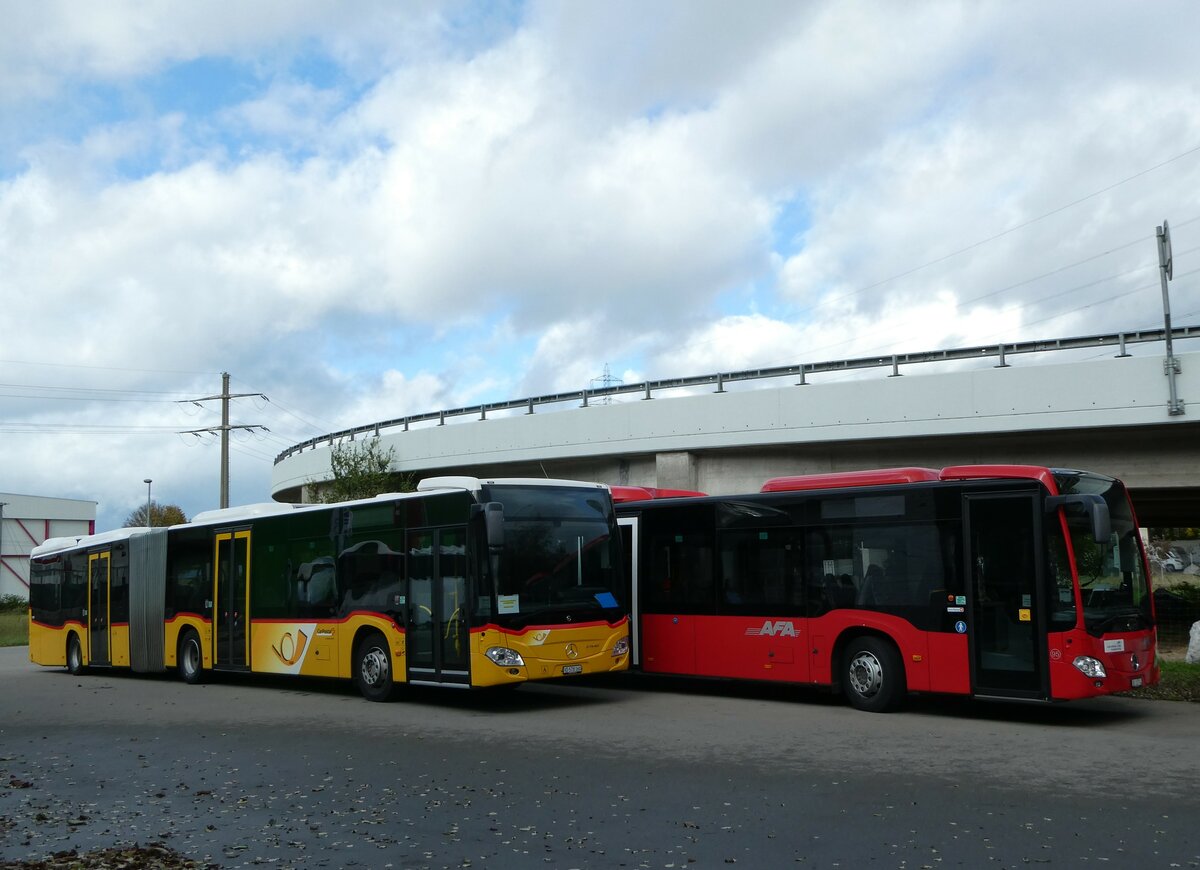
[676, 470]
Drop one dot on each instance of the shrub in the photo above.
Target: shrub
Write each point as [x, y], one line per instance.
[10, 603]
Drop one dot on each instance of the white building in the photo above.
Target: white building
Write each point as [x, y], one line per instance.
[28, 520]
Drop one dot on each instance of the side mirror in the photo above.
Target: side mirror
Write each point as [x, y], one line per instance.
[493, 520]
[1092, 506]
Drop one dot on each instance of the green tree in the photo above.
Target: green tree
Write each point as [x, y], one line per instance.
[1182, 534]
[160, 515]
[362, 469]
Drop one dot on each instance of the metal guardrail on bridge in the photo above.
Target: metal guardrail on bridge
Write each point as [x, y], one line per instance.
[799, 370]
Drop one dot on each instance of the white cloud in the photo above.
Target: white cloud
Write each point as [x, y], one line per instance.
[397, 395]
[519, 198]
[47, 44]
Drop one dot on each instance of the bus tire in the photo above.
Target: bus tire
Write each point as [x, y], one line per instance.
[75, 665]
[373, 668]
[873, 675]
[190, 660]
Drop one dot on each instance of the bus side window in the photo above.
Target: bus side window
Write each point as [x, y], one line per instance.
[756, 570]
[829, 585]
[45, 580]
[370, 571]
[189, 578]
[681, 576]
[312, 590]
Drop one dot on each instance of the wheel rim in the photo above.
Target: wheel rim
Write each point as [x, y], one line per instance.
[191, 657]
[866, 674]
[75, 657]
[374, 668]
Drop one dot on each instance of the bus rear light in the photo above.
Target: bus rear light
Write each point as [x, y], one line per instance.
[505, 657]
[621, 647]
[1090, 667]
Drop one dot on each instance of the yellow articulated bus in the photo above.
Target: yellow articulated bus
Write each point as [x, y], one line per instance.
[464, 583]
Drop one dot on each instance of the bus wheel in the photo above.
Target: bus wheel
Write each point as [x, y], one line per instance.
[373, 668]
[873, 676]
[190, 659]
[74, 656]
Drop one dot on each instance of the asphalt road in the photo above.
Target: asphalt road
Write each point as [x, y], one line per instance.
[622, 773]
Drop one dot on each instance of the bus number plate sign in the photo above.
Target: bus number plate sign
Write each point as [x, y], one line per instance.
[572, 669]
[1135, 682]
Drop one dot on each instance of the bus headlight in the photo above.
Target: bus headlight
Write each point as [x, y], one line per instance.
[1090, 667]
[621, 647]
[505, 657]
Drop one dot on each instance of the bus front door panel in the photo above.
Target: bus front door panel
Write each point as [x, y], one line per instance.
[668, 643]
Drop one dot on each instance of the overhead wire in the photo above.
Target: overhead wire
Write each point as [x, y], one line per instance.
[1023, 224]
[22, 362]
[1094, 283]
[56, 388]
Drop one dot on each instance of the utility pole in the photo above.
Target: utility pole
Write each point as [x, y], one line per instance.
[224, 429]
[1166, 269]
[2, 504]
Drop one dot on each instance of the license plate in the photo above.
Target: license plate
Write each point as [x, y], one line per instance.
[572, 669]
[1135, 682]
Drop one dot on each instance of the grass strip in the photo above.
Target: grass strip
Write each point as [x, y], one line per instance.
[14, 628]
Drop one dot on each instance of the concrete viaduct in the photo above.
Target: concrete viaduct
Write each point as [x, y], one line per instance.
[727, 433]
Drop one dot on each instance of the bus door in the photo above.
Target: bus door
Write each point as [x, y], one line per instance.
[99, 573]
[231, 599]
[438, 634]
[1006, 629]
[629, 547]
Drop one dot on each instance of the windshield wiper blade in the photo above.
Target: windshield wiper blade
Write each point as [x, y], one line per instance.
[1140, 619]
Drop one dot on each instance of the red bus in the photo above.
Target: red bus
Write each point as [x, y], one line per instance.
[994, 581]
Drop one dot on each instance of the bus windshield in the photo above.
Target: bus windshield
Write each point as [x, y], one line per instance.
[1113, 585]
[561, 559]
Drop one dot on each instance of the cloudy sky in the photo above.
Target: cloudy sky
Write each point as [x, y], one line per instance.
[368, 209]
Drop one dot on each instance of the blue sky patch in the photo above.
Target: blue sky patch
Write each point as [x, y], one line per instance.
[791, 223]
[203, 86]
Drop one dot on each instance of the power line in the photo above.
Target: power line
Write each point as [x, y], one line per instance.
[89, 389]
[24, 362]
[81, 429]
[85, 398]
[1094, 283]
[1022, 225]
[319, 426]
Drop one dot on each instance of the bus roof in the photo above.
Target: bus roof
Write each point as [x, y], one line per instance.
[241, 512]
[645, 493]
[910, 474]
[57, 545]
[475, 484]
[839, 479]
